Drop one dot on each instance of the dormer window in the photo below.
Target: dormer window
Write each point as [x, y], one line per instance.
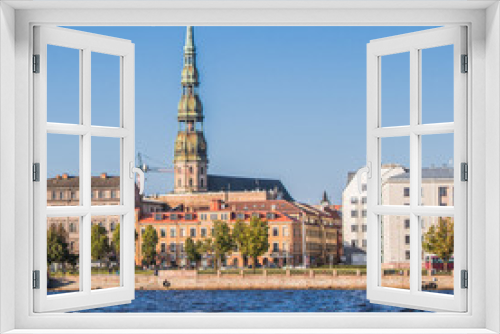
[270, 215]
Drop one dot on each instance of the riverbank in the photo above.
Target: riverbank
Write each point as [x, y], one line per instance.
[244, 280]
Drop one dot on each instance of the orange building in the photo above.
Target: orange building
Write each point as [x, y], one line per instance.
[298, 233]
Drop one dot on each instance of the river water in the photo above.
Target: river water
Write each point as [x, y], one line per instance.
[251, 301]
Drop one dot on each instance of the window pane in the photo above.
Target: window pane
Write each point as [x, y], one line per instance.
[105, 171]
[395, 90]
[63, 254]
[395, 252]
[437, 254]
[63, 166]
[437, 170]
[105, 252]
[105, 90]
[437, 84]
[63, 85]
[394, 173]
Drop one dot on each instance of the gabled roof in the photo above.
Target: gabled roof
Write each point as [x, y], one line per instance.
[236, 183]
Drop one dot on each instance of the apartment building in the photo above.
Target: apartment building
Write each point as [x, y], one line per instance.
[298, 233]
[63, 190]
[354, 213]
[437, 190]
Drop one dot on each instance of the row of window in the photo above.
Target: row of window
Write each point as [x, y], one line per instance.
[191, 182]
[191, 171]
[354, 213]
[73, 226]
[355, 200]
[442, 191]
[355, 243]
[182, 232]
[276, 247]
[62, 195]
[213, 216]
[284, 231]
[355, 228]
[203, 232]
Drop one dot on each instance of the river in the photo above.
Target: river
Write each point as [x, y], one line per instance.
[251, 301]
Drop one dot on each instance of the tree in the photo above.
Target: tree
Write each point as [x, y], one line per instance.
[193, 250]
[256, 239]
[149, 242]
[116, 241]
[440, 240]
[207, 246]
[239, 237]
[223, 242]
[99, 243]
[57, 246]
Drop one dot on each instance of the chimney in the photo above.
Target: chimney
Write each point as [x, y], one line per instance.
[65, 176]
[215, 205]
[104, 175]
[58, 177]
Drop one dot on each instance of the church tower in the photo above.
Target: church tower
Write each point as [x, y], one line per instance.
[190, 157]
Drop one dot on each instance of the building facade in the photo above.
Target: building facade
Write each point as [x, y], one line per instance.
[63, 190]
[437, 190]
[298, 234]
[354, 213]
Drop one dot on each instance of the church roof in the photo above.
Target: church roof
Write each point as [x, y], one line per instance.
[236, 183]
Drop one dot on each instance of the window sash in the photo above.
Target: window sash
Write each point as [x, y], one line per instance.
[412, 43]
[86, 43]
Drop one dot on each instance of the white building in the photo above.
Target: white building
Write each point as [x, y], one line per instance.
[354, 206]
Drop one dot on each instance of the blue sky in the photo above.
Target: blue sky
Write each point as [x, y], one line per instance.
[279, 102]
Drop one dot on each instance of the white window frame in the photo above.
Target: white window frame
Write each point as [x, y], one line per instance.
[85, 43]
[484, 49]
[413, 44]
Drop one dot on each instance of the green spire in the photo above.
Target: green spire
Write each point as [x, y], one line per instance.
[189, 46]
[190, 144]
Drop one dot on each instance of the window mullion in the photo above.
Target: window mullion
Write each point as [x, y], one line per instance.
[86, 176]
[415, 162]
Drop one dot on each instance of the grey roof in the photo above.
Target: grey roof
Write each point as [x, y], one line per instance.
[236, 183]
[429, 173]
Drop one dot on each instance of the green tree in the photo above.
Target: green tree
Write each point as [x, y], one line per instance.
[99, 243]
[116, 241]
[223, 241]
[239, 238]
[256, 240]
[440, 240]
[207, 246]
[193, 251]
[149, 242]
[57, 246]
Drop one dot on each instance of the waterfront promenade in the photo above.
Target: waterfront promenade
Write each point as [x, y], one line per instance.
[247, 280]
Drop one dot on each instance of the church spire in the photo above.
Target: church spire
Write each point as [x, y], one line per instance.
[189, 46]
[190, 157]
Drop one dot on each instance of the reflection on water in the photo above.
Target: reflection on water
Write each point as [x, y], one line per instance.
[252, 301]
